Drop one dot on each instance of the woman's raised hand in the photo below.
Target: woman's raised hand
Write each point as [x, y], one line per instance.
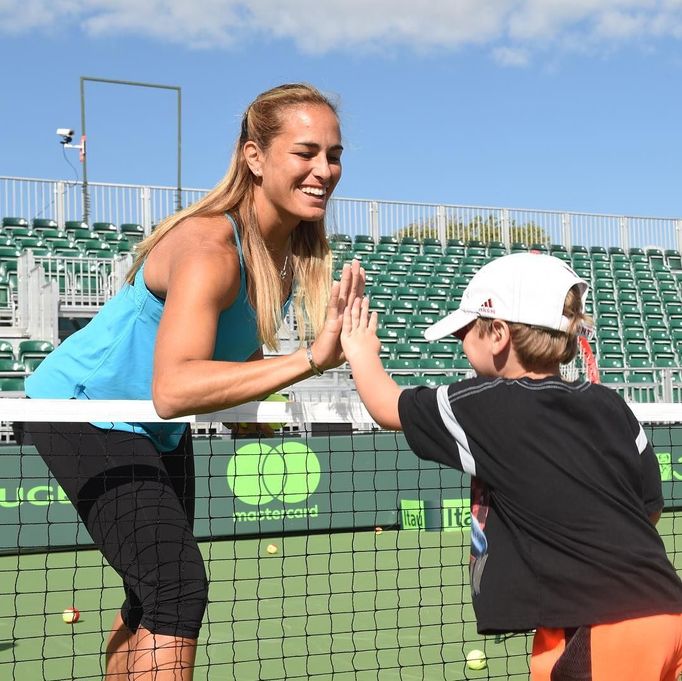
[326, 348]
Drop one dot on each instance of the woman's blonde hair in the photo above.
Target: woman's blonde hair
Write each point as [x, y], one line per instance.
[539, 347]
[311, 256]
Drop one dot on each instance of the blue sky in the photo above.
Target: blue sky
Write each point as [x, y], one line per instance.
[556, 104]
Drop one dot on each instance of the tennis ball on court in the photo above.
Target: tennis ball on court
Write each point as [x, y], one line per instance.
[271, 548]
[476, 660]
[378, 530]
[71, 615]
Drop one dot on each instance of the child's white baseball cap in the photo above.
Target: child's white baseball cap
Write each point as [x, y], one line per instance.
[523, 287]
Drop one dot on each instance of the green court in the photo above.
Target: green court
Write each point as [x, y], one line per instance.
[361, 606]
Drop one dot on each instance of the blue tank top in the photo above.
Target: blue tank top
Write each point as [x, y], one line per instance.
[111, 358]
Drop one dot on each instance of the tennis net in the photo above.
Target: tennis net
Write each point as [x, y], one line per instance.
[332, 552]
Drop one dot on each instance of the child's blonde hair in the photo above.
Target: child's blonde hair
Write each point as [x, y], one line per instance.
[539, 347]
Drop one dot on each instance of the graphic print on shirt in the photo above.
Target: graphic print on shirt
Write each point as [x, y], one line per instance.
[480, 503]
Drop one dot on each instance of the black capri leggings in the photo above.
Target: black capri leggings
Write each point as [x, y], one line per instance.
[138, 505]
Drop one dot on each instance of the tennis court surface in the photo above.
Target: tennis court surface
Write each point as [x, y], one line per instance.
[332, 553]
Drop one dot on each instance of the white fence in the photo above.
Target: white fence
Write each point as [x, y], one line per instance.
[146, 205]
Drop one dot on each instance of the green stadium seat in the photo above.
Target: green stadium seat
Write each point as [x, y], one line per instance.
[608, 334]
[429, 259]
[44, 223]
[405, 380]
[649, 297]
[634, 348]
[666, 360]
[401, 306]
[634, 334]
[11, 366]
[6, 350]
[381, 292]
[394, 321]
[362, 247]
[432, 241]
[436, 380]
[133, 231]
[399, 268]
[9, 252]
[441, 281]
[654, 323]
[32, 363]
[386, 248]
[606, 295]
[407, 350]
[673, 259]
[410, 241]
[71, 252]
[11, 384]
[494, 252]
[611, 377]
[71, 225]
[436, 364]
[104, 227]
[455, 242]
[378, 304]
[673, 308]
[579, 248]
[409, 249]
[34, 348]
[454, 250]
[11, 222]
[476, 252]
[417, 280]
[432, 249]
[399, 365]
[612, 363]
[391, 280]
[422, 269]
[440, 350]
[428, 306]
[26, 242]
[668, 286]
[422, 319]
[358, 239]
[518, 247]
[408, 293]
[338, 248]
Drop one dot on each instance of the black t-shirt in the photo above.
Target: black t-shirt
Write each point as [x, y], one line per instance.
[563, 482]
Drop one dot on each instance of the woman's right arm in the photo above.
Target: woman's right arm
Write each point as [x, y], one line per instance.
[186, 380]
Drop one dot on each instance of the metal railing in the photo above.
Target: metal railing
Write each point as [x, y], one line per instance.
[146, 205]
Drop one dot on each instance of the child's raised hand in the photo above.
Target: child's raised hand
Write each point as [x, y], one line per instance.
[358, 334]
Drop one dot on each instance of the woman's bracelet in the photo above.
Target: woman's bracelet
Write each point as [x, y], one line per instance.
[309, 354]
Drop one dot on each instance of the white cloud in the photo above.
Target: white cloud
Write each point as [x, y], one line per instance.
[512, 29]
[511, 56]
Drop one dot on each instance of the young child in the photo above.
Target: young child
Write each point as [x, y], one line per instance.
[565, 487]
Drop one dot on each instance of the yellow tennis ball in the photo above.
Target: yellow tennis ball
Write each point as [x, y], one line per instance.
[271, 548]
[476, 660]
[71, 615]
[276, 397]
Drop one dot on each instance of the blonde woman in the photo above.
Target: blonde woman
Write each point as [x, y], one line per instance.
[207, 290]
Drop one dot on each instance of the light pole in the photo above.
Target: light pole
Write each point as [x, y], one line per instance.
[178, 90]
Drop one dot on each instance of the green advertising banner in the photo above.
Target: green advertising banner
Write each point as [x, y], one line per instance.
[249, 487]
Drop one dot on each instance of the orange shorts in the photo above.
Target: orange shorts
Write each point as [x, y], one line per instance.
[642, 649]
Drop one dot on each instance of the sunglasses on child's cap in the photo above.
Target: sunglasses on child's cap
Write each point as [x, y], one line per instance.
[523, 287]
